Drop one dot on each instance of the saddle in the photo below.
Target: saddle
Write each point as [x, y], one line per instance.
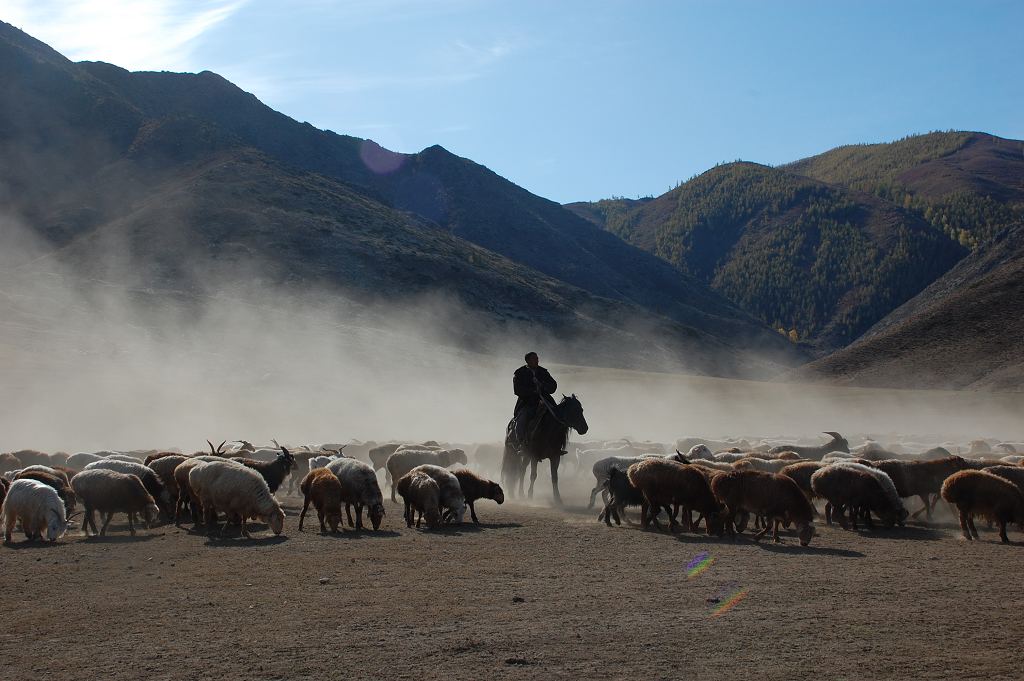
[531, 427]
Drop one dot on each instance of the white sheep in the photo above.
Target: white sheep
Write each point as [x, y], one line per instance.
[238, 492]
[359, 488]
[883, 478]
[82, 459]
[320, 461]
[450, 489]
[602, 469]
[38, 508]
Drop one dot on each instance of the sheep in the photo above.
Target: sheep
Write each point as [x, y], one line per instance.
[237, 491]
[118, 456]
[699, 451]
[404, 460]
[379, 455]
[487, 457]
[801, 473]
[186, 495]
[621, 493]
[664, 483]
[452, 502]
[38, 508]
[837, 444]
[763, 465]
[921, 478]
[982, 464]
[57, 480]
[602, 468]
[322, 487]
[895, 502]
[274, 472]
[359, 488]
[1014, 474]
[982, 493]
[316, 462]
[164, 468]
[4, 484]
[476, 487]
[844, 486]
[422, 495]
[9, 462]
[82, 459]
[773, 496]
[146, 474]
[730, 457]
[590, 456]
[110, 492]
[1013, 459]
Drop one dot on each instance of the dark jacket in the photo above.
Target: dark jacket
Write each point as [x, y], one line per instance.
[526, 389]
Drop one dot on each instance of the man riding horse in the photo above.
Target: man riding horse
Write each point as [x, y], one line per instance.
[531, 384]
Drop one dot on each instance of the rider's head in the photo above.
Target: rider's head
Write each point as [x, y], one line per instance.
[532, 360]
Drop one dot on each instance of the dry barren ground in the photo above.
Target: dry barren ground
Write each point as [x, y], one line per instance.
[533, 593]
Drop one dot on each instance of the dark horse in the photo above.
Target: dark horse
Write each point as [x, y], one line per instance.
[547, 441]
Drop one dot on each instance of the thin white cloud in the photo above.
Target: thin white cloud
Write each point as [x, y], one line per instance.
[136, 34]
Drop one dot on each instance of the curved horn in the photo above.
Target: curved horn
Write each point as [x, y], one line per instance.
[341, 448]
[212, 450]
[833, 434]
[275, 442]
[221, 446]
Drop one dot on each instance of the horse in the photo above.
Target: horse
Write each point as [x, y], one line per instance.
[546, 441]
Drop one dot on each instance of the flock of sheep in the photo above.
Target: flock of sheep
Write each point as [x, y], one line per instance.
[724, 483]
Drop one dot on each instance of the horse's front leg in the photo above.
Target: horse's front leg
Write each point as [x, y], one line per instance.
[554, 480]
[533, 476]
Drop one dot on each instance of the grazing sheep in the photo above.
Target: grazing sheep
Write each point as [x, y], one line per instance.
[360, 489]
[58, 481]
[422, 495]
[451, 491]
[982, 493]
[665, 483]
[186, 495]
[146, 474]
[921, 478]
[236, 491]
[404, 460]
[274, 472]
[475, 487]
[111, 492]
[844, 486]
[602, 468]
[322, 487]
[895, 502]
[38, 508]
[837, 444]
[775, 497]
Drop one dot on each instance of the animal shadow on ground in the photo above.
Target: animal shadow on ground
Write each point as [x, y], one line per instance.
[215, 541]
[813, 549]
[907, 533]
[121, 538]
[352, 533]
[18, 544]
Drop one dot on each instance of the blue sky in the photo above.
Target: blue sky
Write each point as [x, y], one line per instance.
[582, 100]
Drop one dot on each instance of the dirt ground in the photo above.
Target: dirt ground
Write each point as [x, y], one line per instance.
[532, 593]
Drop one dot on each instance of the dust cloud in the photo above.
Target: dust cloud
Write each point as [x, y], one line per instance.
[90, 363]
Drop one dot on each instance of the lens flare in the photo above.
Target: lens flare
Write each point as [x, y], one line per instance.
[700, 563]
[730, 602]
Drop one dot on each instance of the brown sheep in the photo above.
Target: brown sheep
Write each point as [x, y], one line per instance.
[323, 488]
[982, 493]
[921, 478]
[111, 492]
[404, 460]
[164, 466]
[801, 473]
[477, 487]
[774, 496]
[845, 487]
[421, 494]
[9, 462]
[31, 457]
[664, 483]
[1014, 474]
[379, 455]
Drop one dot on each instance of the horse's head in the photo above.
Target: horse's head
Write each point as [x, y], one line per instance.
[572, 414]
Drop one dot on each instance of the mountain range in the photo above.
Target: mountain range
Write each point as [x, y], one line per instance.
[184, 184]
